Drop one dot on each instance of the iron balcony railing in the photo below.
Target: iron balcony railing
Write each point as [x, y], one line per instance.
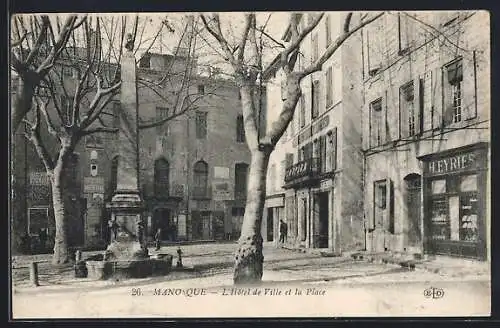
[307, 168]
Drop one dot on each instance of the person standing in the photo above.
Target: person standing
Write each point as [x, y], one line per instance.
[158, 239]
[283, 231]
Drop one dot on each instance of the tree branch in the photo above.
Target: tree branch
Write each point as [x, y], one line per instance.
[316, 66]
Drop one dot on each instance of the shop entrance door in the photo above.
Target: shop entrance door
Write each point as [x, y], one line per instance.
[323, 220]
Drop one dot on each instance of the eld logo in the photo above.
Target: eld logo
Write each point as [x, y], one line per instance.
[434, 292]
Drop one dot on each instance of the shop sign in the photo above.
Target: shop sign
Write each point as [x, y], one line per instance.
[275, 202]
[452, 164]
[325, 184]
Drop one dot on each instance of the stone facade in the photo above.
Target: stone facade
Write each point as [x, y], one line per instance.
[175, 143]
[324, 208]
[411, 129]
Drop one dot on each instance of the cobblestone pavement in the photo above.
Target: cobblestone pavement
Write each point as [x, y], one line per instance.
[279, 265]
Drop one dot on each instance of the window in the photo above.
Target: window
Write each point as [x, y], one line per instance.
[201, 125]
[201, 89]
[289, 159]
[161, 114]
[376, 123]
[329, 87]
[315, 47]
[315, 99]
[161, 177]
[302, 116]
[409, 120]
[384, 205]
[454, 208]
[322, 154]
[200, 179]
[240, 129]
[328, 30]
[403, 33]
[240, 180]
[38, 219]
[453, 93]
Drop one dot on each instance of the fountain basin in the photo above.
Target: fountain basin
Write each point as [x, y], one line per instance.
[130, 268]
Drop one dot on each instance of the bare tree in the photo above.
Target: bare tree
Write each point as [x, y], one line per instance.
[36, 44]
[245, 58]
[72, 101]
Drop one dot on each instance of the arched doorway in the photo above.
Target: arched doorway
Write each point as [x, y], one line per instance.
[413, 184]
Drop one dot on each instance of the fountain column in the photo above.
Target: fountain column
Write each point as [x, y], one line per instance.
[126, 204]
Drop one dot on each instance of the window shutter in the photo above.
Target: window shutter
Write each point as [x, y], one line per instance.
[437, 99]
[469, 108]
[417, 105]
[427, 99]
[366, 120]
[333, 149]
[390, 204]
[403, 114]
[385, 132]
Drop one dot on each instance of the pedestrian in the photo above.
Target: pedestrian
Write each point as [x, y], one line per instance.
[112, 228]
[157, 239]
[283, 231]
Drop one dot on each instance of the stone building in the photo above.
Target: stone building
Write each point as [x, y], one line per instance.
[192, 173]
[315, 172]
[426, 133]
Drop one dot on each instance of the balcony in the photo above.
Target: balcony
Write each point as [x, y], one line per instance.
[302, 172]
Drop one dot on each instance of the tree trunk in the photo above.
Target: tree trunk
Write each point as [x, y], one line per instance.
[249, 258]
[59, 177]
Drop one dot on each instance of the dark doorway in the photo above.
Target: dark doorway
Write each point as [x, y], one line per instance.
[323, 220]
[413, 203]
[201, 225]
[162, 220]
[270, 224]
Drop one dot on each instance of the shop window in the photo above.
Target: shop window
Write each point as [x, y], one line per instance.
[454, 208]
[440, 227]
[438, 186]
[468, 183]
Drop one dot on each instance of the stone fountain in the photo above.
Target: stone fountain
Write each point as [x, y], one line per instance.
[127, 255]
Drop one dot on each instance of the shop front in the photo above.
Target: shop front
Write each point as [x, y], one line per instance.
[455, 201]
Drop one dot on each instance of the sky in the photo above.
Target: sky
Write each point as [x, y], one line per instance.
[166, 41]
